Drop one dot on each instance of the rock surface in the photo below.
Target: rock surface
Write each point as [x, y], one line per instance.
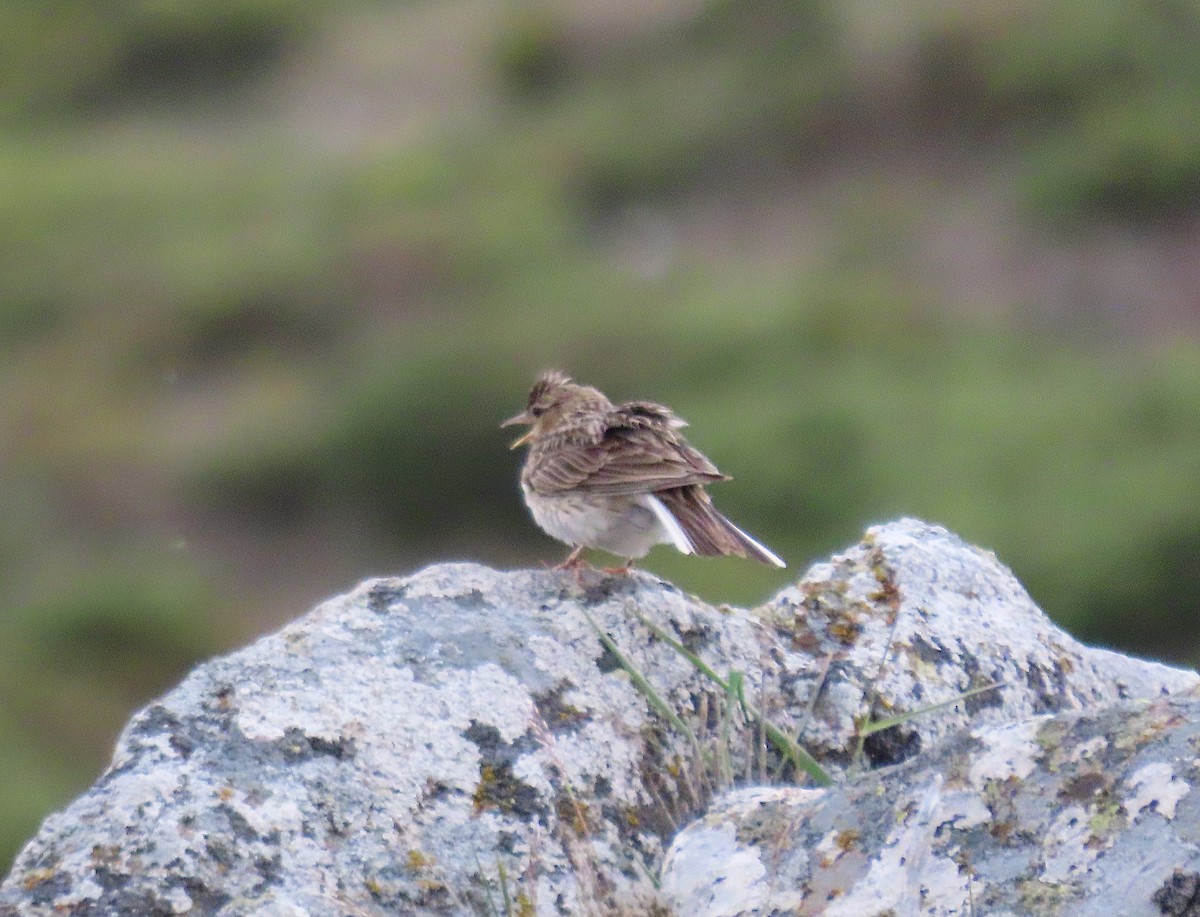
[461, 741]
[1084, 814]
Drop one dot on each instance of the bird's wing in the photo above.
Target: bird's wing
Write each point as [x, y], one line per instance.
[637, 451]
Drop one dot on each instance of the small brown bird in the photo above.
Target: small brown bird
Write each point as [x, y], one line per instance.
[619, 477]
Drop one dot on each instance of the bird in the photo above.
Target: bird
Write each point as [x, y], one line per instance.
[619, 477]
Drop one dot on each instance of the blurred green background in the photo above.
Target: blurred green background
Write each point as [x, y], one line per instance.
[271, 272]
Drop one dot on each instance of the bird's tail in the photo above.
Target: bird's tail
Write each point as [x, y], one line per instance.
[709, 533]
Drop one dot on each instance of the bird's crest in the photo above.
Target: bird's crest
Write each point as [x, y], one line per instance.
[546, 383]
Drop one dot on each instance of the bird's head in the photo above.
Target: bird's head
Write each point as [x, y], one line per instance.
[553, 399]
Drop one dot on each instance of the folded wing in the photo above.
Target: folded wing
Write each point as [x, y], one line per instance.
[636, 451]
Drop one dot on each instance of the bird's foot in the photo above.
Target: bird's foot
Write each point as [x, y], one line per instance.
[624, 570]
[573, 562]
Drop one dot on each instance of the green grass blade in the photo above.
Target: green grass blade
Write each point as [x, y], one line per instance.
[800, 759]
[641, 683]
[875, 726]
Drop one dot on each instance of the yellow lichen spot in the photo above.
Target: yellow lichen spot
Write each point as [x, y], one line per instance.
[1106, 820]
[487, 781]
[417, 860]
[845, 631]
[1042, 896]
[36, 877]
[846, 839]
[573, 812]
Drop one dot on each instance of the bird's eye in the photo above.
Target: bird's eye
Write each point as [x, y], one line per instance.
[537, 411]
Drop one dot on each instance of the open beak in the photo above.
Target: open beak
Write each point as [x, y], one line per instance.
[523, 417]
[522, 439]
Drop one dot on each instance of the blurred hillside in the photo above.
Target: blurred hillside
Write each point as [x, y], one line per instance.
[272, 272]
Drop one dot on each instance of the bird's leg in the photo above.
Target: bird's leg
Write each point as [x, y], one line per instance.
[575, 564]
[574, 560]
[622, 570]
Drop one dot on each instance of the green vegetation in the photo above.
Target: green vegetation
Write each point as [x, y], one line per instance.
[255, 347]
[71, 57]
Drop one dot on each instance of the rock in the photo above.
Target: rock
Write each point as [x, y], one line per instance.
[1087, 814]
[461, 741]
[913, 617]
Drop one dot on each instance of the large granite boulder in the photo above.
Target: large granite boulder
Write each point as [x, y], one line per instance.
[463, 741]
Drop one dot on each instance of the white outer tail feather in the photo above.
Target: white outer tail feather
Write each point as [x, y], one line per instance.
[681, 541]
[674, 529]
[766, 552]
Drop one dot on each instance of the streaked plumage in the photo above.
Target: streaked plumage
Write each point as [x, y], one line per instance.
[620, 477]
